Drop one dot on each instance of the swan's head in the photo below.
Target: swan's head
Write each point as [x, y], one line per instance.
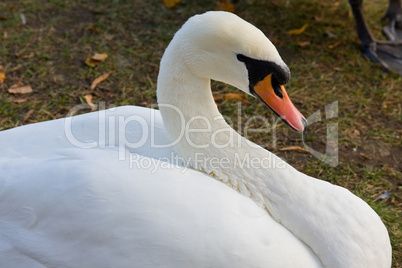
[221, 46]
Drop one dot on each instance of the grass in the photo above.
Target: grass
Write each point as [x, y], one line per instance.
[48, 53]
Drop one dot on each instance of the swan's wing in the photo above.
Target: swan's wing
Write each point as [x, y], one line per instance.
[137, 129]
[85, 208]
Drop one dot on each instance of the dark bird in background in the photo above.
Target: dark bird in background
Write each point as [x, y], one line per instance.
[387, 53]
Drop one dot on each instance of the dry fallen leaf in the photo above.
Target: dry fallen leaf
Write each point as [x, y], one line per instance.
[145, 104]
[224, 5]
[18, 84]
[236, 96]
[171, 3]
[231, 96]
[298, 31]
[88, 99]
[386, 103]
[324, 4]
[95, 59]
[294, 148]
[90, 62]
[19, 88]
[303, 43]
[2, 75]
[22, 100]
[334, 45]
[99, 79]
[92, 28]
[30, 55]
[100, 56]
[356, 132]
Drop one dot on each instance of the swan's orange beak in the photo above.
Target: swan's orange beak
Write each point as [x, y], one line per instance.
[276, 98]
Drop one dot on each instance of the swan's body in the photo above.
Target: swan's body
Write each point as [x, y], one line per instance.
[67, 206]
[109, 206]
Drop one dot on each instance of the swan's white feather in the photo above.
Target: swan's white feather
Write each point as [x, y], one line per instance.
[72, 207]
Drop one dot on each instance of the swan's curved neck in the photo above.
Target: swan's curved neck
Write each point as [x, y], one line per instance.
[188, 109]
[315, 211]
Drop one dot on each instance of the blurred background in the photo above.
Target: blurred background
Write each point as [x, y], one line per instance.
[57, 54]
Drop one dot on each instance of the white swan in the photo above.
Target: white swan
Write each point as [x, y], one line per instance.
[89, 191]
